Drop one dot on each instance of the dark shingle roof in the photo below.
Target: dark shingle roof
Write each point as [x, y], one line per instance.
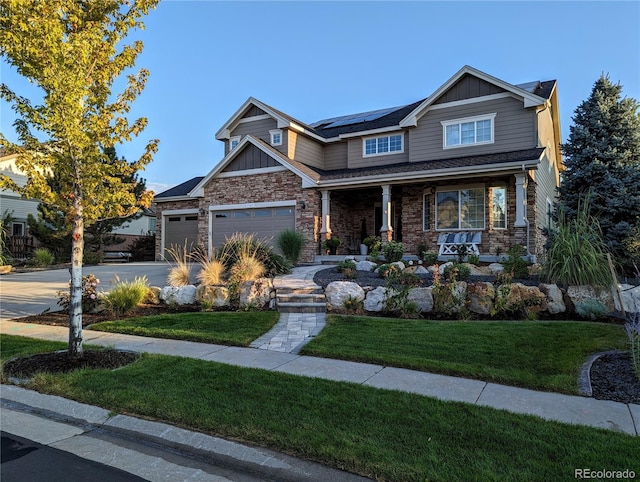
[457, 162]
[181, 189]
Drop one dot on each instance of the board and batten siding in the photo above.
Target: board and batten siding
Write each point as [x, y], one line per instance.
[335, 156]
[251, 158]
[305, 150]
[514, 130]
[356, 157]
[260, 129]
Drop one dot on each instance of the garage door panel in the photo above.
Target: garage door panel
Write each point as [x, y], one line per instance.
[180, 229]
[264, 223]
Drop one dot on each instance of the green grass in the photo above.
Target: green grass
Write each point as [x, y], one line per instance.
[227, 328]
[537, 355]
[384, 434]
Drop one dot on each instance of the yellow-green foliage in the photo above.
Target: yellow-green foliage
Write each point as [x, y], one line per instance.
[126, 295]
[180, 274]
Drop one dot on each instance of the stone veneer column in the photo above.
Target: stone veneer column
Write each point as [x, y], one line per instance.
[386, 230]
[325, 229]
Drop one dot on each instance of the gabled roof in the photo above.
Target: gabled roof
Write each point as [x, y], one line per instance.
[179, 191]
[530, 99]
[303, 171]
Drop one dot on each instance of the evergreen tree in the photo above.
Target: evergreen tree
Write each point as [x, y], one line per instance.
[602, 159]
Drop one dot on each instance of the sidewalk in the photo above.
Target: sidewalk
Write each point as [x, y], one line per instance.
[550, 406]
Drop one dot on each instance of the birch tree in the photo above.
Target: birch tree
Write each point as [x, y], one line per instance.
[73, 51]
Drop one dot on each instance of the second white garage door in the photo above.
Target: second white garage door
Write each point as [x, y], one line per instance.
[265, 223]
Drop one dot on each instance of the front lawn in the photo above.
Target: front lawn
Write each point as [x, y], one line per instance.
[537, 355]
[384, 434]
[227, 328]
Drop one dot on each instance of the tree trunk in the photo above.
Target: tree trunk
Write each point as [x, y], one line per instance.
[75, 300]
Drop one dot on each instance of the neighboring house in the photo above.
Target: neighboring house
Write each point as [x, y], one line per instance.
[13, 203]
[479, 159]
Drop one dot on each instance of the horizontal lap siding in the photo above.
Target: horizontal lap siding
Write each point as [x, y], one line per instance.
[335, 156]
[305, 150]
[356, 158]
[514, 130]
[260, 129]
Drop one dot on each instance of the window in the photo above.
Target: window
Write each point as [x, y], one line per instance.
[468, 131]
[499, 207]
[233, 142]
[17, 229]
[376, 146]
[276, 137]
[463, 209]
[426, 212]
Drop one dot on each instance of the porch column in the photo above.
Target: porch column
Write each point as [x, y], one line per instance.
[386, 231]
[325, 229]
[521, 199]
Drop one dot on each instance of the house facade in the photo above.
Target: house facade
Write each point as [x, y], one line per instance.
[477, 159]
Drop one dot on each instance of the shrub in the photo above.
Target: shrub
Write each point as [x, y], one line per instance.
[42, 257]
[457, 271]
[577, 254]
[420, 250]
[353, 304]
[350, 273]
[331, 245]
[89, 294]
[247, 244]
[514, 262]
[473, 259]
[126, 295]
[346, 264]
[291, 243]
[591, 309]
[430, 258]
[632, 327]
[393, 251]
[143, 248]
[92, 257]
[388, 269]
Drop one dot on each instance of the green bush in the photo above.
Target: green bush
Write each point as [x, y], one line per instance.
[591, 309]
[577, 254]
[389, 269]
[347, 264]
[393, 251]
[457, 271]
[429, 258]
[473, 259]
[126, 295]
[42, 258]
[514, 262]
[92, 257]
[291, 243]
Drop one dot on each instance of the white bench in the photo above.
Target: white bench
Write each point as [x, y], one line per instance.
[117, 256]
[449, 242]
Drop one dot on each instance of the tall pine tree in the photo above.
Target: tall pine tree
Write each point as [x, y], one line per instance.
[602, 159]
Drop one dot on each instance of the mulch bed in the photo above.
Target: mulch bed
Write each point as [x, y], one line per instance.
[613, 378]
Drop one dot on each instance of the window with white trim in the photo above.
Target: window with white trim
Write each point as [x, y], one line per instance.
[468, 131]
[276, 137]
[499, 207]
[233, 142]
[376, 146]
[460, 209]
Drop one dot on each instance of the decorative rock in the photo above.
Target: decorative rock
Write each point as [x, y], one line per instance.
[183, 295]
[444, 266]
[630, 298]
[454, 301]
[218, 296]
[479, 270]
[337, 292]
[410, 269]
[529, 297]
[258, 292]
[375, 300]
[480, 296]
[555, 299]
[365, 265]
[399, 264]
[423, 297]
[579, 294]
[496, 268]
[421, 270]
[153, 295]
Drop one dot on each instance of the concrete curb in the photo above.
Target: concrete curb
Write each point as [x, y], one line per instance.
[240, 457]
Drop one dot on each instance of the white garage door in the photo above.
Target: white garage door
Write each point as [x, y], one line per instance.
[265, 223]
[180, 228]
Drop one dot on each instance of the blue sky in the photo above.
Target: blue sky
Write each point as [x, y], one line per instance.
[315, 60]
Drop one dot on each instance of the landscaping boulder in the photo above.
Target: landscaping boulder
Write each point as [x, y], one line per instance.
[495, 268]
[218, 296]
[153, 295]
[555, 298]
[453, 301]
[479, 270]
[481, 296]
[630, 298]
[258, 293]
[422, 297]
[444, 266]
[183, 295]
[375, 299]
[365, 265]
[337, 292]
[421, 270]
[529, 297]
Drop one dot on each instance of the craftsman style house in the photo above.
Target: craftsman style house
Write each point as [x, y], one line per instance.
[476, 162]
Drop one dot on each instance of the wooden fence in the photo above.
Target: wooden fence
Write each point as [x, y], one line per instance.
[21, 247]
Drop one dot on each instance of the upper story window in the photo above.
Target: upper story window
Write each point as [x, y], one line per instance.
[233, 142]
[468, 131]
[376, 146]
[276, 137]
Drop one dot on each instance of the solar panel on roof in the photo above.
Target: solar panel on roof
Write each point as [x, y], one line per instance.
[529, 86]
[354, 118]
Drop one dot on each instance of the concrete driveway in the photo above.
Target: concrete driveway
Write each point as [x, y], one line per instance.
[23, 294]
